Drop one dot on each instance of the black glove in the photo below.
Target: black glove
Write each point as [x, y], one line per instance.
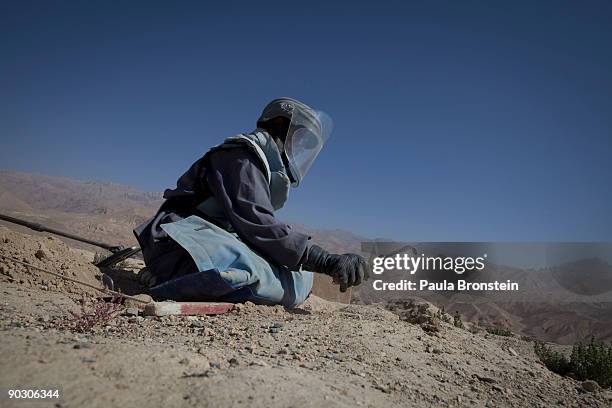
[347, 269]
[146, 278]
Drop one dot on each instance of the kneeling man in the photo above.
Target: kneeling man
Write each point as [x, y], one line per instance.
[216, 237]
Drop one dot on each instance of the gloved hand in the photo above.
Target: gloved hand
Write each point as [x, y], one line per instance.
[347, 269]
[146, 278]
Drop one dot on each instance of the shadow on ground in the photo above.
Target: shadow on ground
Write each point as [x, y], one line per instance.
[125, 280]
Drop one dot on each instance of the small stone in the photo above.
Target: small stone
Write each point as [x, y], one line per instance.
[383, 388]
[79, 346]
[41, 254]
[233, 362]
[203, 363]
[485, 379]
[197, 324]
[144, 299]
[184, 361]
[590, 386]
[512, 352]
[131, 311]
[259, 363]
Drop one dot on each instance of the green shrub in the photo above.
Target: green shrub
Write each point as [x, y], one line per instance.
[553, 360]
[586, 362]
[500, 331]
[442, 315]
[457, 322]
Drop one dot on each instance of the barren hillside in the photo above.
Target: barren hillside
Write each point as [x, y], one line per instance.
[256, 356]
[108, 212]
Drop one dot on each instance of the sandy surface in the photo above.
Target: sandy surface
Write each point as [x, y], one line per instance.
[323, 354]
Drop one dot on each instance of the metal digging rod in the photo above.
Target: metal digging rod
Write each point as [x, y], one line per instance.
[120, 252]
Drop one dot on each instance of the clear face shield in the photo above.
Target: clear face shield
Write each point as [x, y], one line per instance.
[308, 132]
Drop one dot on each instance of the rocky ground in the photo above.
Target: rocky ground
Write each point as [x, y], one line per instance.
[322, 354]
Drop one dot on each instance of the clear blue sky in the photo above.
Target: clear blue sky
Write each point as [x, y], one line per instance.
[454, 120]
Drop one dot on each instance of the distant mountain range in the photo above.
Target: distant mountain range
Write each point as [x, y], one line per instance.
[108, 211]
[30, 191]
[544, 308]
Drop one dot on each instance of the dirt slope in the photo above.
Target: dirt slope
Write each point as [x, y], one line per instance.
[108, 212]
[324, 354]
[47, 253]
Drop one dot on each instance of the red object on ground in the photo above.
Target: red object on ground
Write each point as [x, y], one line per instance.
[186, 308]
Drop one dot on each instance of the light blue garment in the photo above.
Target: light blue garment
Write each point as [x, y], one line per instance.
[229, 270]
